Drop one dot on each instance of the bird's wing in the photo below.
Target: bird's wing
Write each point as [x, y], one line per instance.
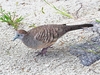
[48, 33]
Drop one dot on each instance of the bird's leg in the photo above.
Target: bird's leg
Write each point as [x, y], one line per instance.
[43, 52]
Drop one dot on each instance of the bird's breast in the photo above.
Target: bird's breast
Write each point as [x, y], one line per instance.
[31, 42]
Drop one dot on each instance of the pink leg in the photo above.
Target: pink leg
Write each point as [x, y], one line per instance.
[43, 52]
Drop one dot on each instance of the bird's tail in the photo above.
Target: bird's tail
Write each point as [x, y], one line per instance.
[75, 27]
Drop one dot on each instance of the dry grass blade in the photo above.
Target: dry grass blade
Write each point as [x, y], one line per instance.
[62, 12]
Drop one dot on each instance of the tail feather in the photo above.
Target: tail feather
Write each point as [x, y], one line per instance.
[75, 27]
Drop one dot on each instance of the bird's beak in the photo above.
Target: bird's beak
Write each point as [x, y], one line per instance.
[15, 38]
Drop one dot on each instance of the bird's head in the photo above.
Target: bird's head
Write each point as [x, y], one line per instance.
[20, 34]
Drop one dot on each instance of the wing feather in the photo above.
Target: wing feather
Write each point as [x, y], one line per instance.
[47, 33]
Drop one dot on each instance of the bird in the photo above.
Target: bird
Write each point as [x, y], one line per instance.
[44, 36]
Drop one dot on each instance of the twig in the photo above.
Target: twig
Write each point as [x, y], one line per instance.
[59, 65]
[78, 10]
[93, 71]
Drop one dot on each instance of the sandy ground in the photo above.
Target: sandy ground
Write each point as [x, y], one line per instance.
[17, 59]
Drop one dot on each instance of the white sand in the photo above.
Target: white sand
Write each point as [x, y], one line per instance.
[17, 59]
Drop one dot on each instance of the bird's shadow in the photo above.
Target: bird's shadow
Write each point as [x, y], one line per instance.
[88, 52]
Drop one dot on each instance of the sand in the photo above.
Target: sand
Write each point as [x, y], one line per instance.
[17, 59]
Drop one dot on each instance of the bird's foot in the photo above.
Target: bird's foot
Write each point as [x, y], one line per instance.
[43, 52]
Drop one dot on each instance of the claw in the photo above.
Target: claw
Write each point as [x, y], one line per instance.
[43, 52]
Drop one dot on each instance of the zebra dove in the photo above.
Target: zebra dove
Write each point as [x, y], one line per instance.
[42, 37]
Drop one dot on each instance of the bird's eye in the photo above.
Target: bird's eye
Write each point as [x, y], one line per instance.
[18, 35]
